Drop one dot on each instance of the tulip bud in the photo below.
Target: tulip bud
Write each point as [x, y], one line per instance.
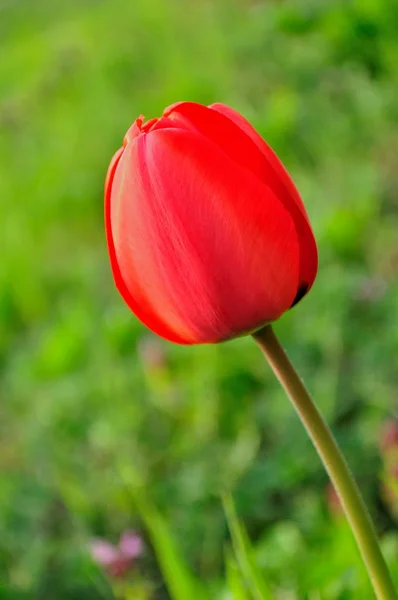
[207, 234]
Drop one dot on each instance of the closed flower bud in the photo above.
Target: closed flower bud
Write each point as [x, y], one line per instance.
[207, 235]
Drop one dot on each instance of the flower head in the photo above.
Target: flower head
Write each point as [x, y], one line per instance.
[207, 234]
[117, 560]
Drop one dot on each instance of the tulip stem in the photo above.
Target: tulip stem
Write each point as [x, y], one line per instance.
[333, 461]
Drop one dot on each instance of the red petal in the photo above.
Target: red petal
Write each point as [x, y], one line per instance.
[202, 243]
[221, 131]
[133, 131]
[280, 181]
[163, 123]
[111, 170]
[139, 306]
[265, 149]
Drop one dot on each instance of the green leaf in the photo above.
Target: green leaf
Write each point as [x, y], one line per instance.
[259, 590]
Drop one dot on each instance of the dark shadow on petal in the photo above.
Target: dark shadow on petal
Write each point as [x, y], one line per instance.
[303, 289]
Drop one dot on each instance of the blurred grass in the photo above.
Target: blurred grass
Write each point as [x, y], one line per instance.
[82, 398]
[250, 573]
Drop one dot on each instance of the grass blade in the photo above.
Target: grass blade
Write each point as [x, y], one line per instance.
[235, 582]
[259, 590]
[180, 582]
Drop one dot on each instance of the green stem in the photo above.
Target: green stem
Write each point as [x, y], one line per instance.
[334, 463]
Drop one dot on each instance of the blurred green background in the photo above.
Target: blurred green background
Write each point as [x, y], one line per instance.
[94, 409]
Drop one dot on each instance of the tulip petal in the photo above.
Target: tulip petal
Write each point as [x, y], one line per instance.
[139, 307]
[262, 145]
[279, 179]
[198, 246]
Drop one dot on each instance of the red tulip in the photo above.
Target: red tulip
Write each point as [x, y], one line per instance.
[208, 237]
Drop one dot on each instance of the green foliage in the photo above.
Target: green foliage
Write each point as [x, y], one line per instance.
[244, 554]
[180, 583]
[235, 582]
[88, 411]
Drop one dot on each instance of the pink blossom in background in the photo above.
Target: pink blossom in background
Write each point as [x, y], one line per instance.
[152, 353]
[389, 435]
[130, 544]
[118, 559]
[389, 455]
[103, 553]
